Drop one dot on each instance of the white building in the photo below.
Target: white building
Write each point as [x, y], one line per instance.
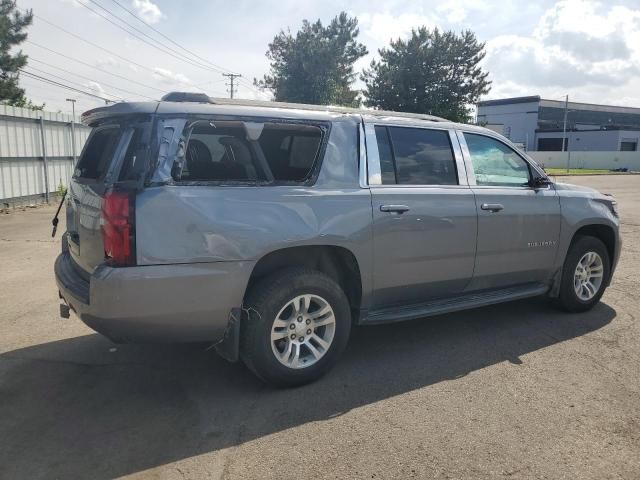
[538, 124]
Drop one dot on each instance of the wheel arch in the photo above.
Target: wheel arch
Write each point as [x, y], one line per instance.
[605, 233]
[337, 262]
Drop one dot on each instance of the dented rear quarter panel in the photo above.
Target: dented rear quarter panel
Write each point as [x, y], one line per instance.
[181, 224]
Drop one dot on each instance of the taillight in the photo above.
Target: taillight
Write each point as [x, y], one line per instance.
[117, 228]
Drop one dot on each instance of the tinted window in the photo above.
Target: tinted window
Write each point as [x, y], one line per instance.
[494, 163]
[386, 156]
[98, 153]
[422, 156]
[220, 151]
[290, 150]
[132, 163]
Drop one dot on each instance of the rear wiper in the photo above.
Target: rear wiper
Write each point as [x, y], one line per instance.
[54, 222]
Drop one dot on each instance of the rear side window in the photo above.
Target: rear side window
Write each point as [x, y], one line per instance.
[416, 156]
[98, 153]
[222, 151]
[387, 169]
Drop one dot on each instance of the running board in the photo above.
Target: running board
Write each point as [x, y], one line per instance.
[462, 302]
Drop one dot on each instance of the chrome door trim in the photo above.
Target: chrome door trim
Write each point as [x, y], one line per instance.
[466, 155]
[463, 176]
[374, 175]
[364, 161]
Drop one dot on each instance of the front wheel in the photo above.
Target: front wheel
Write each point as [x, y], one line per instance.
[296, 325]
[584, 275]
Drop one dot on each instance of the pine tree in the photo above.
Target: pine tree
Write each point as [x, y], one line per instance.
[316, 65]
[12, 33]
[431, 72]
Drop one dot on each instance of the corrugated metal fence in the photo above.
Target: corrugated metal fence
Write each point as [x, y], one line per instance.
[23, 134]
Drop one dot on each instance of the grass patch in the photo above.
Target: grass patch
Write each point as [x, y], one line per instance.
[576, 171]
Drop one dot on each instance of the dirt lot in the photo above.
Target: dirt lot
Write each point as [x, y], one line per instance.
[515, 391]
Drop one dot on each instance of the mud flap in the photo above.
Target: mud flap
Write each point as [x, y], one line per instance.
[229, 347]
[554, 292]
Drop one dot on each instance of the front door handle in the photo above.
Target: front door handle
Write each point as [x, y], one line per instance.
[492, 207]
[394, 208]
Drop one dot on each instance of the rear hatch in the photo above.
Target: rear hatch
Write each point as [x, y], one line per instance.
[101, 194]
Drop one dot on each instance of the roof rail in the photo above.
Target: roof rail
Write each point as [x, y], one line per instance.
[203, 98]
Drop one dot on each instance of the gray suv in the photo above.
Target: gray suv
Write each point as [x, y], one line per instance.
[270, 229]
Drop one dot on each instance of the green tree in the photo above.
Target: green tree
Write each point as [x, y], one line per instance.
[316, 65]
[431, 72]
[12, 33]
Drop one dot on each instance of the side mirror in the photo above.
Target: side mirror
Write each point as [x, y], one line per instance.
[540, 182]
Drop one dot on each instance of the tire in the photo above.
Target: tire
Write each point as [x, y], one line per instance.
[569, 299]
[273, 308]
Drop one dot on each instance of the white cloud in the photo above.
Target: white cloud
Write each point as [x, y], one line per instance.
[457, 12]
[382, 27]
[168, 77]
[107, 63]
[149, 11]
[96, 89]
[576, 46]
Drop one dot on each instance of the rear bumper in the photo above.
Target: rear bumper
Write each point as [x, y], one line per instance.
[159, 303]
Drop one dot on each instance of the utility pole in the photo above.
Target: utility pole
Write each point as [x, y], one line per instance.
[73, 129]
[232, 77]
[564, 127]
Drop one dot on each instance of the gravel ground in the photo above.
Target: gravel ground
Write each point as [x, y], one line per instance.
[517, 390]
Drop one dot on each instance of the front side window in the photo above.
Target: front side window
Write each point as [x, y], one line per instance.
[496, 164]
[416, 156]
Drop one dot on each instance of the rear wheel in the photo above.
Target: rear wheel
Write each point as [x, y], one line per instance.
[584, 276]
[296, 325]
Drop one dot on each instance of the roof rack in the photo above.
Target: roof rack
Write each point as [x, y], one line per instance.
[203, 98]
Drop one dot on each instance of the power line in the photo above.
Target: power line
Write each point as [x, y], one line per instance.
[222, 69]
[169, 39]
[91, 43]
[164, 49]
[88, 78]
[98, 46]
[94, 67]
[61, 85]
[44, 72]
[110, 52]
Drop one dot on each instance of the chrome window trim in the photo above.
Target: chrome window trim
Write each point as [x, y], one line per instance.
[363, 165]
[374, 174]
[461, 168]
[411, 185]
[466, 155]
[469, 161]
[373, 156]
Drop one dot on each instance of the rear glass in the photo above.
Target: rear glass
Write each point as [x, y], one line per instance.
[133, 164]
[222, 151]
[98, 153]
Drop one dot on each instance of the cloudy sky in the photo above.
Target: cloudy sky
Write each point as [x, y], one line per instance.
[587, 49]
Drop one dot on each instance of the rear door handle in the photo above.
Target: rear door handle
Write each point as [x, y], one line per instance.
[492, 207]
[394, 208]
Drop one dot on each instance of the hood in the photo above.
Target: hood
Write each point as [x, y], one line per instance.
[568, 189]
[575, 188]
